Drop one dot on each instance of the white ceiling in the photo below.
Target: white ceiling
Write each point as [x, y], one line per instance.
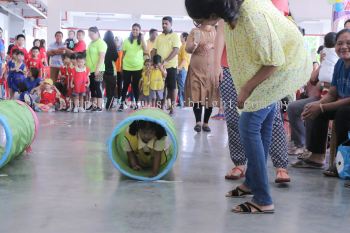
[314, 15]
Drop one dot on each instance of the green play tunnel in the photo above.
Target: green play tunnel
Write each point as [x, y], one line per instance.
[119, 157]
[18, 127]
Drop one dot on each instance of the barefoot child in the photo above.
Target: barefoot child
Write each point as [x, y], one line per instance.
[145, 144]
[79, 83]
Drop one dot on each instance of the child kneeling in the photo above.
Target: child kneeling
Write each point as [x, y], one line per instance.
[145, 145]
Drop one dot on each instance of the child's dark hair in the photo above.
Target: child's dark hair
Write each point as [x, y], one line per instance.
[184, 35]
[81, 31]
[157, 59]
[228, 10]
[19, 52]
[152, 31]
[74, 56]
[22, 87]
[329, 40]
[131, 37]
[319, 50]
[79, 56]
[140, 125]
[36, 48]
[65, 55]
[146, 61]
[20, 36]
[341, 33]
[35, 72]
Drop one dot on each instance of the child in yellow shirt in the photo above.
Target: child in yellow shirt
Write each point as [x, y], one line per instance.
[157, 80]
[145, 83]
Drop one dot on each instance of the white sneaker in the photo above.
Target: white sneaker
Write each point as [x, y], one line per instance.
[69, 109]
[75, 110]
[81, 109]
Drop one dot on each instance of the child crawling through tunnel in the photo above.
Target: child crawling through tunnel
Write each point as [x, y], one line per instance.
[145, 145]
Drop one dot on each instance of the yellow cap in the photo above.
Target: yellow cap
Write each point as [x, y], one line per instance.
[48, 81]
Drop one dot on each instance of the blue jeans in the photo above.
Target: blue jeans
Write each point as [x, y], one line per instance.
[256, 134]
[181, 79]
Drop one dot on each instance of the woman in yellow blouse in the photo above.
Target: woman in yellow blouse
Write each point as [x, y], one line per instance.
[267, 57]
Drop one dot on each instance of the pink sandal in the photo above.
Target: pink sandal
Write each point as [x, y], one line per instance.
[235, 177]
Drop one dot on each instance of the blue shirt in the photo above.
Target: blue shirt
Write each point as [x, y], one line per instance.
[32, 84]
[56, 61]
[341, 79]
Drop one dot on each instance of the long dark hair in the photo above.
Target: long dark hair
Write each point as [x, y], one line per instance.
[111, 53]
[131, 37]
[140, 125]
[341, 33]
[228, 10]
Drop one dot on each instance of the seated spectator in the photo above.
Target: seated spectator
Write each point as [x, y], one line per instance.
[335, 105]
[49, 98]
[33, 80]
[318, 84]
[24, 95]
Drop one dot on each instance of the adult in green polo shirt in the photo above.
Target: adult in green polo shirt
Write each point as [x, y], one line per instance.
[95, 61]
[134, 49]
[167, 45]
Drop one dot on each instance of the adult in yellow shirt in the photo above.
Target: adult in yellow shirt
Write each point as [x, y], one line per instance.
[267, 57]
[167, 45]
[153, 33]
[184, 61]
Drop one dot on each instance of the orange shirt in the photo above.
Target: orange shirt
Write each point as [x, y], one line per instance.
[118, 63]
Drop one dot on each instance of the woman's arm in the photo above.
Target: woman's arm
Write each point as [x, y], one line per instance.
[191, 44]
[264, 73]
[101, 60]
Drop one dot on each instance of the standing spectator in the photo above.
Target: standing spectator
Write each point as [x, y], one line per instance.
[153, 33]
[20, 42]
[43, 51]
[134, 48]
[80, 46]
[200, 87]
[109, 76]
[2, 54]
[167, 45]
[279, 54]
[1, 32]
[55, 52]
[70, 41]
[184, 61]
[95, 61]
[35, 60]
[118, 66]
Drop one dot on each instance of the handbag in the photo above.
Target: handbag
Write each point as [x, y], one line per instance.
[99, 77]
[343, 160]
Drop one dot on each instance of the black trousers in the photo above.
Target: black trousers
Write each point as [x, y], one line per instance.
[132, 77]
[198, 109]
[95, 87]
[317, 136]
[110, 84]
[119, 89]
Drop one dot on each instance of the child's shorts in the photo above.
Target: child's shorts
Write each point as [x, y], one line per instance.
[158, 95]
[145, 98]
[79, 94]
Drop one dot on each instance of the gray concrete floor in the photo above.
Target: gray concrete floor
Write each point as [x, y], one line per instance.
[69, 185]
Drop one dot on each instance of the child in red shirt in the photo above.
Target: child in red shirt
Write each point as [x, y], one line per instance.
[80, 47]
[65, 77]
[20, 41]
[35, 61]
[80, 82]
[48, 97]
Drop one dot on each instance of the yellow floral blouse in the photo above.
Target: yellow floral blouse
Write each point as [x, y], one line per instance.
[264, 37]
